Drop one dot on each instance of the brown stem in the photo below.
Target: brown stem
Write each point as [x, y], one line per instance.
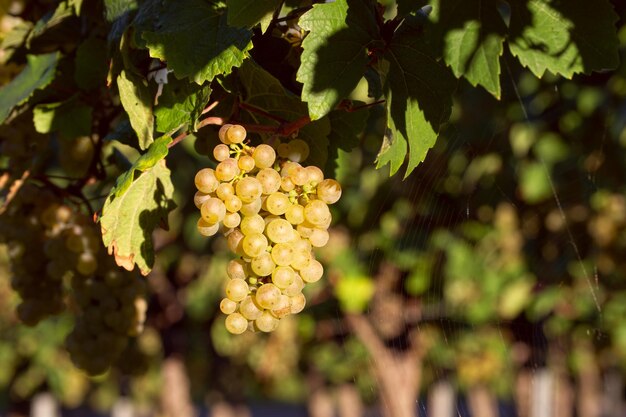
[254, 109]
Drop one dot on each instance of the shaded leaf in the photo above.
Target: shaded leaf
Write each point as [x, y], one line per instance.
[128, 220]
[564, 37]
[38, 73]
[264, 91]
[334, 55]
[91, 64]
[472, 33]
[418, 89]
[247, 13]
[196, 41]
[345, 130]
[70, 118]
[137, 101]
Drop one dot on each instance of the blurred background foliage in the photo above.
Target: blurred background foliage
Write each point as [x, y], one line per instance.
[503, 252]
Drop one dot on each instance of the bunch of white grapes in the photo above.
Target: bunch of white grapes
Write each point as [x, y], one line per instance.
[53, 248]
[273, 212]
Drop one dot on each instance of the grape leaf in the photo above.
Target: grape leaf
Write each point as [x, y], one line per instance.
[334, 55]
[70, 118]
[264, 91]
[38, 73]
[344, 134]
[137, 101]
[114, 9]
[128, 220]
[418, 91]
[196, 41]
[91, 64]
[247, 13]
[181, 103]
[564, 37]
[156, 152]
[472, 32]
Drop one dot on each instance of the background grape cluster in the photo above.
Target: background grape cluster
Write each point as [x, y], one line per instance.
[273, 212]
[57, 259]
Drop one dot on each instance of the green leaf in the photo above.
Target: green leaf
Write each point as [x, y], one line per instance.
[14, 40]
[472, 32]
[354, 292]
[181, 103]
[128, 220]
[137, 101]
[54, 28]
[196, 41]
[247, 13]
[418, 92]
[91, 64]
[114, 9]
[345, 129]
[334, 55]
[564, 37]
[38, 73]
[156, 152]
[71, 118]
[264, 91]
[534, 183]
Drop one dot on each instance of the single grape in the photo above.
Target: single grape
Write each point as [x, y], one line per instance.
[270, 180]
[252, 224]
[267, 296]
[236, 134]
[246, 163]
[226, 170]
[248, 189]
[297, 303]
[283, 150]
[228, 306]
[314, 174]
[234, 241]
[305, 229]
[266, 322]
[236, 269]
[221, 152]
[286, 184]
[301, 258]
[236, 323]
[319, 238]
[232, 220]
[249, 309]
[254, 244]
[283, 276]
[263, 265]
[213, 210]
[329, 191]
[282, 254]
[312, 272]
[237, 289]
[222, 133]
[277, 203]
[206, 180]
[86, 264]
[298, 150]
[316, 212]
[233, 203]
[279, 231]
[264, 156]
[225, 190]
[294, 214]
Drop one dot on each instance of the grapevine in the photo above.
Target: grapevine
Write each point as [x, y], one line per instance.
[57, 259]
[273, 212]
